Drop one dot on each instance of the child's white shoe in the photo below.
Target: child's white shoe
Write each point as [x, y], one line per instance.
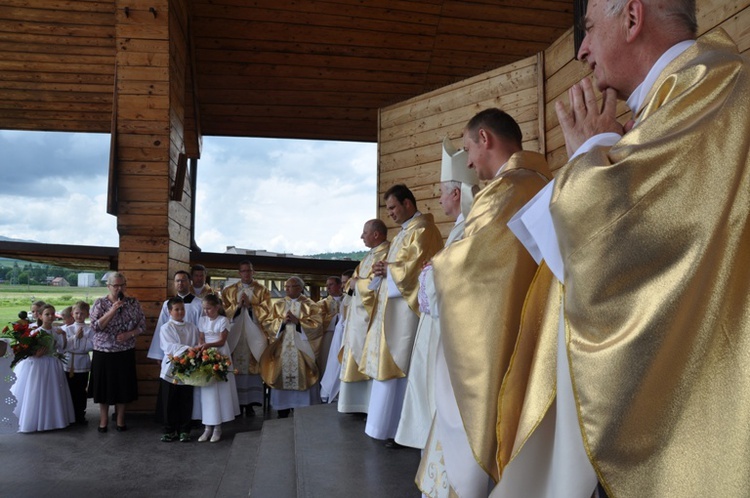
[216, 436]
[206, 434]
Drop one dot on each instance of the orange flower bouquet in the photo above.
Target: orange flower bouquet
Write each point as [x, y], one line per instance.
[200, 368]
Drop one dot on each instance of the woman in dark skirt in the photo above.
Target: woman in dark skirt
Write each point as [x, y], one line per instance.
[116, 320]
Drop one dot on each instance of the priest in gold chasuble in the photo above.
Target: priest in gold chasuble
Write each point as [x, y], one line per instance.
[288, 364]
[354, 396]
[481, 284]
[247, 304]
[390, 337]
[652, 230]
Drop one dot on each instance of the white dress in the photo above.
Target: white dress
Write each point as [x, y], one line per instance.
[42, 394]
[219, 402]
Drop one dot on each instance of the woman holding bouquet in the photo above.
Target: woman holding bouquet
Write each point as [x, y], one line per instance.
[41, 391]
[116, 320]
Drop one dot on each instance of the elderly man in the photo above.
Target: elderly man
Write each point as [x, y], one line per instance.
[247, 304]
[354, 394]
[481, 282]
[648, 223]
[288, 364]
[458, 184]
[390, 337]
[199, 286]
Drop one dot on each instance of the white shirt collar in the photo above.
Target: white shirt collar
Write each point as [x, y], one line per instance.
[635, 101]
[459, 219]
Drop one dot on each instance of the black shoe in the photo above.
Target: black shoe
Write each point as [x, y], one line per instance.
[122, 428]
[393, 445]
[102, 429]
[284, 413]
[249, 412]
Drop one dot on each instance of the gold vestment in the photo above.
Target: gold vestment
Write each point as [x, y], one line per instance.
[655, 236]
[359, 314]
[481, 283]
[260, 303]
[388, 349]
[287, 363]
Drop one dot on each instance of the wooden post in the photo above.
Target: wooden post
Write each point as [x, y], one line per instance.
[155, 231]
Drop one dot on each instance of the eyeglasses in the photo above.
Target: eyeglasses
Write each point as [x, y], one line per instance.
[116, 285]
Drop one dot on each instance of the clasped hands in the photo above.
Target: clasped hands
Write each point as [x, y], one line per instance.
[290, 318]
[585, 117]
[380, 269]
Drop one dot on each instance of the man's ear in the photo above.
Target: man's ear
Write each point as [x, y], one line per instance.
[634, 19]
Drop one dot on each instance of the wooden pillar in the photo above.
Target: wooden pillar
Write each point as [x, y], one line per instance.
[152, 189]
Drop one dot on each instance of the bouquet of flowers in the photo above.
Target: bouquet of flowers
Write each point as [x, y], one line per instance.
[26, 342]
[200, 368]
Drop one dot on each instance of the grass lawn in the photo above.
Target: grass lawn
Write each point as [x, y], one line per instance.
[15, 298]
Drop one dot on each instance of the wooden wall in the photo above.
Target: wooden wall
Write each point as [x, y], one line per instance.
[153, 219]
[56, 61]
[411, 132]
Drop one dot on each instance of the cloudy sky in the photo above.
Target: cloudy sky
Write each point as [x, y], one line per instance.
[291, 196]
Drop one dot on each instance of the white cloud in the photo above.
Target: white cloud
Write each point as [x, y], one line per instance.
[292, 196]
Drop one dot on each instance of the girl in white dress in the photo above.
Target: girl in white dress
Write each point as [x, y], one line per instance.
[41, 390]
[219, 400]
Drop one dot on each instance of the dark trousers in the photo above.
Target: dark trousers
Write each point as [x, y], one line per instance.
[177, 401]
[78, 384]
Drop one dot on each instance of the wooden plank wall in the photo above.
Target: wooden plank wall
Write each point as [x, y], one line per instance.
[561, 70]
[56, 61]
[411, 132]
[154, 229]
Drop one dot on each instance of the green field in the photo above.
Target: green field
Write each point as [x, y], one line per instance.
[14, 298]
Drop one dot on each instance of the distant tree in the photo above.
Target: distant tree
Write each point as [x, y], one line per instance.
[72, 279]
[23, 278]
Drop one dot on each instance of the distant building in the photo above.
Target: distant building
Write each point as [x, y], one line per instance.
[86, 280]
[59, 282]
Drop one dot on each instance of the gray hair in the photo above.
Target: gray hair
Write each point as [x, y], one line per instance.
[452, 184]
[299, 281]
[112, 276]
[680, 12]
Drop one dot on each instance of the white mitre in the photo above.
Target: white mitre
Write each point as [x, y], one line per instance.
[454, 169]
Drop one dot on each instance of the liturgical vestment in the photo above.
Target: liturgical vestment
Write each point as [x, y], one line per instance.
[653, 234]
[481, 284]
[355, 386]
[390, 337]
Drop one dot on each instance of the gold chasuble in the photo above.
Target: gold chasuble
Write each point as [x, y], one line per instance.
[244, 339]
[289, 362]
[655, 238]
[387, 349]
[359, 314]
[481, 284]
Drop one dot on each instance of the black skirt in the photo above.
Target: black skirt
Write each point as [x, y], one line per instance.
[113, 377]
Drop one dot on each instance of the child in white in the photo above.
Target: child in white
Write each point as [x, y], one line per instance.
[41, 390]
[219, 402]
[176, 337]
[77, 359]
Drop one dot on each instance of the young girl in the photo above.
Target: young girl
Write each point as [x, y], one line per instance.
[41, 389]
[219, 400]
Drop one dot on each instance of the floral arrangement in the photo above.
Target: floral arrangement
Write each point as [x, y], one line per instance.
[26, 342]
[199, 368]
